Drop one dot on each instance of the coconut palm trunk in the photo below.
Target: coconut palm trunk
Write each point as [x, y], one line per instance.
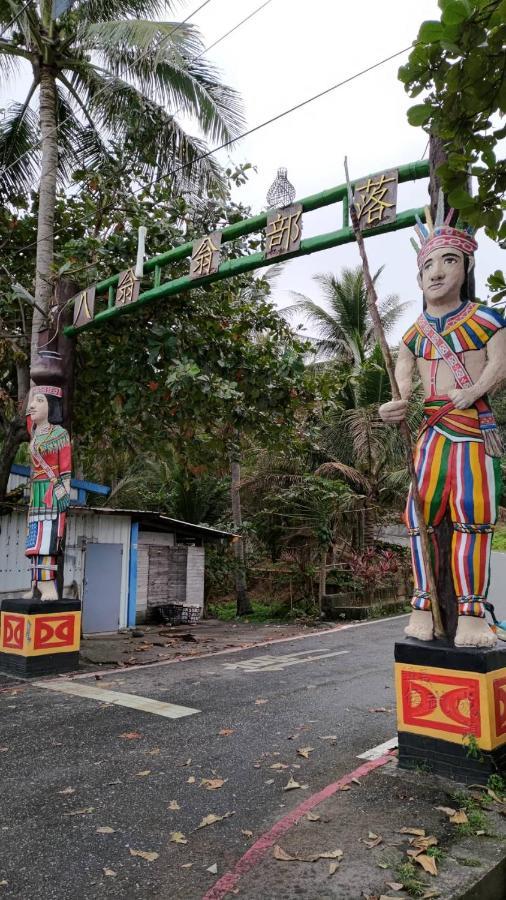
[243, 603]
[47, 201]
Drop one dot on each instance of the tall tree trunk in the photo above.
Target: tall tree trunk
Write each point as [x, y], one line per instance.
[47, 201]
[322, 578]
[243, 604]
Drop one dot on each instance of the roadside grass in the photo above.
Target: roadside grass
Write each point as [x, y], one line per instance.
[499, 539]
[262, 612]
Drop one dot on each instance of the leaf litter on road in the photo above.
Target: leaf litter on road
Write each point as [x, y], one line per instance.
[177, 837]
[109, 872]
[174, 805]
[130, 735]
[292, 784]
[282, 856]
[224, 732]
[148, 855]
[80, 812]
[211, 818]
[67, 790]
[305, 751]
[213, 784]
[105, 829]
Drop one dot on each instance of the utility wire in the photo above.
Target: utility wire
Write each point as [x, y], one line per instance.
[136, 62]
[250, 131]
[16, 17]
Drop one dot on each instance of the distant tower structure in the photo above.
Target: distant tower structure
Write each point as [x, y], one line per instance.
[281, 192]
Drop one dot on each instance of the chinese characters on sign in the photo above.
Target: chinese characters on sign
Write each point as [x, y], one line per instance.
[283, 232]
[376, 199]
[206, 255]
[128, 288]
[84, 306]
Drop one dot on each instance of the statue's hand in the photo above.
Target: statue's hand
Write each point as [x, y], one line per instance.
[394, 411]
[462, 398]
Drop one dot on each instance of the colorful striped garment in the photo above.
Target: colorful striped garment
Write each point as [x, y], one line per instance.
[454, 472]
[469, 328]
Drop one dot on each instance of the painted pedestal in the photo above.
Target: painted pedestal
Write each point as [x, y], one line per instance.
[451, 709]
[39, 638]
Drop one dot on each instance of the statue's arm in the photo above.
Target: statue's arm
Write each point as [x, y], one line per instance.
[395, 411]
[490, 379]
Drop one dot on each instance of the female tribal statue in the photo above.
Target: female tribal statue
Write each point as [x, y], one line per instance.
[50, 454]
[459, 348]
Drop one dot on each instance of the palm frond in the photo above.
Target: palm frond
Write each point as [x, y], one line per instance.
[19, 152]
[349, 473]
[104, 10]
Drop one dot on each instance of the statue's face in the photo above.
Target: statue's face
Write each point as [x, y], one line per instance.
[38, 408]
[443, 274]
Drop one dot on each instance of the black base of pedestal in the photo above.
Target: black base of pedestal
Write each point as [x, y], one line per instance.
[425, 754]
[39, 638]
[37, 666]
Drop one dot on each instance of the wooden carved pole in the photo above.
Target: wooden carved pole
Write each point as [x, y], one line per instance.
[372, 304]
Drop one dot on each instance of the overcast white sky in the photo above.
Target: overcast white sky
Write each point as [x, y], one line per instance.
[291, 50]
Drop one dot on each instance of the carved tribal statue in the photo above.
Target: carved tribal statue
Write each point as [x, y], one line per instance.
[459, 348]
[50, 454]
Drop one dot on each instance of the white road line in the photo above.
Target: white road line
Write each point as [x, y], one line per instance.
[380, 750]
[278, 663]
[143, 704]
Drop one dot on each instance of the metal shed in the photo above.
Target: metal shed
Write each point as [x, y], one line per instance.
[120, 563]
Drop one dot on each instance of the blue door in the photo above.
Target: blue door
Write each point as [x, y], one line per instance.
[102, 587]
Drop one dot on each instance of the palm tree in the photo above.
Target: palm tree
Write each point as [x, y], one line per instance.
[101, 70]
[345, 330]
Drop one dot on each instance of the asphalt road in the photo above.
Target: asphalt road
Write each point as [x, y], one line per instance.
[71, 765]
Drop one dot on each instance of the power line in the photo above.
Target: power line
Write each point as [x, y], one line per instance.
[250, 131]
[16, 17]
[128, 69]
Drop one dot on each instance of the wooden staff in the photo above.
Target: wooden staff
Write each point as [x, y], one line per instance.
[372, 303]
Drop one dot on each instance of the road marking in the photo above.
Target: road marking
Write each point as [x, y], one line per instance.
[143, 704]
[278, 663]
[256, 853]
[380, 750]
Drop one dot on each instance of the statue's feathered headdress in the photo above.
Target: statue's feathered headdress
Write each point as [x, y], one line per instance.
[433, 235]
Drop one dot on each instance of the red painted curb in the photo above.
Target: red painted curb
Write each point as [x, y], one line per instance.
[256, 853]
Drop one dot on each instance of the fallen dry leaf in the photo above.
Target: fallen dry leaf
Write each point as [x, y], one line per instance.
[105, 829]
[312, 817]
[418, 832]
[212, 818]
[460, 818]
[191, 779]
[80, 812]
[143, 773]
[186, 866]
[423, 843]
[283, 856]
[177, 837]
[328, 737]
[173, 805]
[213, 869]
[67, 790]
[373, 840]
[305, 751]
[426, 862]
[109, 872]
[154, 752]
[494, 796]
[148, 855]
[395, 885]
[187, 763]
[429, 895]
[345, 787]
[333, 867]
[246, 833]
[447, 810]
[226, 731]
[292, 784]
[130, 735]
[270, 781]
[356, 781]
[260, 701]
[212, 784]
[279, 765]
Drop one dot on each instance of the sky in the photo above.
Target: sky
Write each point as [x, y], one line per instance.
[289, 51]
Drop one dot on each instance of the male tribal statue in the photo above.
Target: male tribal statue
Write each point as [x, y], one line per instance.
[50, 454]
[459, 348]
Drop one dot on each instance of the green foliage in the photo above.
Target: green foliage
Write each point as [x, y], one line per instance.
[408, 875]
[458, 65]
[472, 748]
[262, 612]
[499, 539]
[497, 284]
[113, 67]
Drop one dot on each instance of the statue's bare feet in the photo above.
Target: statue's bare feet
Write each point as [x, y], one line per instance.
[420, 625]
[474, 632]
[47, 590]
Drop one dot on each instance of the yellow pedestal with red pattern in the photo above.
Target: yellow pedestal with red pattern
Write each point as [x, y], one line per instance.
[451, 709]
[39, 638]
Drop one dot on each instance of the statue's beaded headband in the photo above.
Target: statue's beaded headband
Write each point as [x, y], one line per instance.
[434, 235]
[47, 389]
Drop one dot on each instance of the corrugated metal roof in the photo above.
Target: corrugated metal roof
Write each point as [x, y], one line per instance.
[149, 516]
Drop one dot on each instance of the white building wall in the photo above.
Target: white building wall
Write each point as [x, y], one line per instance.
[82, 527]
